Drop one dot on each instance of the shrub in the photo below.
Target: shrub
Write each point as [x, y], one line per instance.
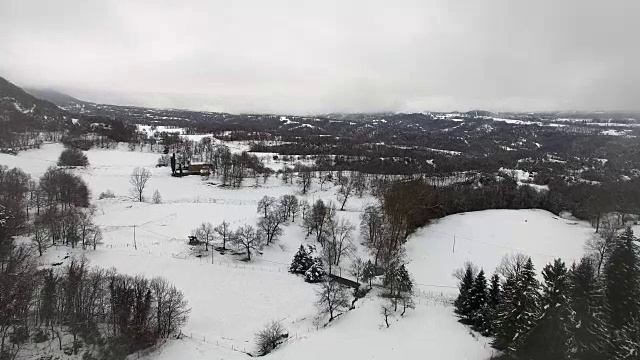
[73, 157]
[163, 161]
[157, 198]
[270, 337]
[106, 195]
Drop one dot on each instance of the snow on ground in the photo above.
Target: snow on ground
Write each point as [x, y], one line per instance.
[232, 299]
[151, 130]
[448, 152]
[430, 329]
[196, 137]
[34, 162]
[614, 132]
[484, 237]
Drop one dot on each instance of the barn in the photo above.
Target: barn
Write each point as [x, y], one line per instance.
[200, 168]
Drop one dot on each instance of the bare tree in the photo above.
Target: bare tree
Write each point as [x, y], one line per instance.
[511, 265]
[287, 204]
[317, 219]
[39, 234]
[359, 183]
[345, 190]
[270, 337]
[304, 208]
[407, 303]
[357, 268]
[138, 181]
[386, 311]
[224, 231]
[295, 209]
[205, 233]
[372, 230]
[96, 236]
[323, 178]
[339, 241]
[18, 284]
[600, 245]
[247, 238]
[265, 204]
[332, 299]
[459, 272]
[271, 225]
[171, 308]
[304, 179]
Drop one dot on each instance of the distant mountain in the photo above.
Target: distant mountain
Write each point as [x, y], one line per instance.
[480, 113]
[61, 99]
[19, 109]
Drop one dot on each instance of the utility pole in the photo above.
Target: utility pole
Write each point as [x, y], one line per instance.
[454, 244]
[134, 238]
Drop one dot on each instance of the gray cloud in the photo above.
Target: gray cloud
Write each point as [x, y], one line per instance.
[309, 57]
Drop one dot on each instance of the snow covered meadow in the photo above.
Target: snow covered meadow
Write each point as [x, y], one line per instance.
[231, 299]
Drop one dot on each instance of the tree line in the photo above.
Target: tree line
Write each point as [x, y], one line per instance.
[419, 202]
[580, 312]
[53, 210]
[108, 315]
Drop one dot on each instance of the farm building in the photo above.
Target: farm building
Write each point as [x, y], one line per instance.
[201, 168]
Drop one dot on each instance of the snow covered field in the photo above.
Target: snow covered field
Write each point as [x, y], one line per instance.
[231, 299]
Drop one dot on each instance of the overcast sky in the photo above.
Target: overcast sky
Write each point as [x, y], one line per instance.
[300, 56]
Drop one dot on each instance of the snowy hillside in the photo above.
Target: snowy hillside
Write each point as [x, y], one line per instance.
[232, 299]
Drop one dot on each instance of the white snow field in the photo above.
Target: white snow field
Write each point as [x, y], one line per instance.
[231, 300]
[484, 237]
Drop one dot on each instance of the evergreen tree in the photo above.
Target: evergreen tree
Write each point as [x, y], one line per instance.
[462, 301]
[622, 292]
[493, 300]
[550, 337]
[478, 302]
[302, 261]
[368, 272]
[404, 284]
[316, 272]
[589, 320]
[518, 309]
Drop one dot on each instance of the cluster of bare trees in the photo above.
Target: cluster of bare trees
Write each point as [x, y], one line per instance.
[383, 234]
[23, 140]
[335, 234]
[113, 314]
[355, 184]
[54, 210]
[62, 211]
[230, 167]
[248, 239]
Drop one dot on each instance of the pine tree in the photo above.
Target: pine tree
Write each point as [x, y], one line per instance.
[462, 302]
[302, 261]
[518, 309]
[404, 288]
[368, 272]
[622, 292]
[589, 323]
[404, 284]
[316, 272]
[493, 300]
[550, 337]
[478, 302]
